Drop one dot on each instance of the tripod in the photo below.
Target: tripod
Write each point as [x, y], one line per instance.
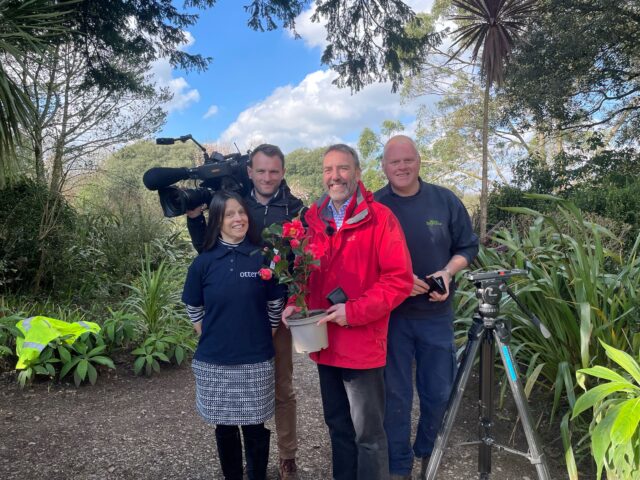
[486, 333]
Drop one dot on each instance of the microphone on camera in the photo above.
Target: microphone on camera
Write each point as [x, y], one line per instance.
[160, 177]
[330, 230]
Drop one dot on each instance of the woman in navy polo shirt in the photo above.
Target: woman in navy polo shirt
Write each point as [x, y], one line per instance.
[235, 312]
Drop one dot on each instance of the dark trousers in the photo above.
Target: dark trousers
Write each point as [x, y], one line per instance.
[353, 404]
[256, 447]
[430, 342]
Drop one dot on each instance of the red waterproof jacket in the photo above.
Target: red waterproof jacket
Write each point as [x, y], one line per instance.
[369, 260]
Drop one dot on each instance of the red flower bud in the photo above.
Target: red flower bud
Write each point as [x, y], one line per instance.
[265, 273]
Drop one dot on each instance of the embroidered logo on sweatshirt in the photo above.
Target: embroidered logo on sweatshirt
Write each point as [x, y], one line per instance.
[434, 223]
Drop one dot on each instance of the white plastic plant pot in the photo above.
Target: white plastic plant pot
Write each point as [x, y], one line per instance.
[307, 335]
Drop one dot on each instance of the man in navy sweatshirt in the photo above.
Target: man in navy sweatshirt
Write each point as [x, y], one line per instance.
[441, 242]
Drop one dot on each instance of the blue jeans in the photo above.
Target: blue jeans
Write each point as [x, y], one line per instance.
[430, 342]
[353, 404]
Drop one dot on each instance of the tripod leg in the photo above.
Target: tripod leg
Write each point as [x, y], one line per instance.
[487, 367]
[537, 456]
[459, 385]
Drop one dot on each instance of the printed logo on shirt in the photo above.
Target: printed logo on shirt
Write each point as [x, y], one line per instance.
[434, 223]
[248, 274]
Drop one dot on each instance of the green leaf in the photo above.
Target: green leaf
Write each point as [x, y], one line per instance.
[76, 378]
[106, 361]
[40, 370]
[138, 364]
[139, 351]
[51, 370]
[96, 350]
[68, 366]
[533, 378]
[597, 394]
[64, 354]
[601, 438]
[179, 354]
[570, 460]
[81, 370]
[626, 422]
[623, 359]
[603, 372]
[156, 365]
[92, 373]
[161, 356]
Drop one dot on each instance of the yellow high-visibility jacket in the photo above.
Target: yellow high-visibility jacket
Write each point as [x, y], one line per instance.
[39, 331]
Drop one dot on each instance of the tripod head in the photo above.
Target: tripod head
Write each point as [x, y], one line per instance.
[489, 288]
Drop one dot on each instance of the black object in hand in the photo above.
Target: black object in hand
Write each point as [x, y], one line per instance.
[337, 295]
[436, 284]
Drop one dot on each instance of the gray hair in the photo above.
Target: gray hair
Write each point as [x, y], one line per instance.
[341, 147]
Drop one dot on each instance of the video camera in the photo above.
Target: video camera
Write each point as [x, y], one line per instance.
[219, 172]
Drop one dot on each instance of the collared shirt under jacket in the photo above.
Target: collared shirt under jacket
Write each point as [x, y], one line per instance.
[369, 260]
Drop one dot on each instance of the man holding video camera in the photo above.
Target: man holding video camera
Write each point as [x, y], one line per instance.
[269, 202]
[441, 242]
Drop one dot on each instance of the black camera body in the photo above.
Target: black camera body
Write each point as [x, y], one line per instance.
[219, 172]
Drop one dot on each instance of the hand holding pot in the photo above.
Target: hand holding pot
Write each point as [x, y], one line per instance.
[336, 313]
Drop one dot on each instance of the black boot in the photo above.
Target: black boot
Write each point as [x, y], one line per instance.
[256, 449]
[229, 451]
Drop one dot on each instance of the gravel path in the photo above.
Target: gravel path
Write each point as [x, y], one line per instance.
[128, 427]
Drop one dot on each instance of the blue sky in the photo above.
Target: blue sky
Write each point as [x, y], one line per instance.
[269, 87]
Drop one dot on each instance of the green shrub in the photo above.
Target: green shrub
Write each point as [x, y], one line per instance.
[81, 358]
[615, 436]
[580, 289]
[35, 228]
[166, 334]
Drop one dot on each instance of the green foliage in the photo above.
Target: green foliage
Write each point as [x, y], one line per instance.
[615, 436]
[154, 305]
[119, 330]
[44, 365]
[304, 173]
[26, 251]
[8, 334]
[605, 183]
[578, 287]
[577, 66]
[27, 27]
[82, 357]
[165, 348]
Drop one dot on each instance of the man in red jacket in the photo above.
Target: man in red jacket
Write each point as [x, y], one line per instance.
[365, 254]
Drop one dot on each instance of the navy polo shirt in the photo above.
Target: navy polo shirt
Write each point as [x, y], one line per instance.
[235, 328]
[437, 226]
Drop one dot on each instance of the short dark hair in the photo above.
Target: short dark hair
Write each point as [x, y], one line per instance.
[269, 150]
[217, 208]
[341, 147]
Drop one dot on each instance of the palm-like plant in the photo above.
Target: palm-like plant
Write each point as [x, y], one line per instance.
[490, 26]
[25, 27]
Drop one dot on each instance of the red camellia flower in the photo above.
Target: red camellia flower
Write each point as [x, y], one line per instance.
[276, 258]
[265, 273]
[294, 243]
[293, 229]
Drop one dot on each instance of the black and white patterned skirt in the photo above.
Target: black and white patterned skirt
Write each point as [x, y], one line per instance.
[235, 394]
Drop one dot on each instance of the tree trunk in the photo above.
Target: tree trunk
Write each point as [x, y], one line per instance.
[484, 193]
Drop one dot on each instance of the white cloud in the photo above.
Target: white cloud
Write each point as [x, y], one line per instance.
[314, 34]
[213, 109]
[315, 113]
[183, 96]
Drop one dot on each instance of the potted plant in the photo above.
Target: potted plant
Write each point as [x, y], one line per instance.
[292, 258]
